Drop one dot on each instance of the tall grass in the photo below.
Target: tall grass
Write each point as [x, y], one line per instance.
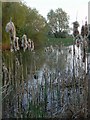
[58, 92]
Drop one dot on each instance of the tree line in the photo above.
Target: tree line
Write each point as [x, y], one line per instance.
[28, 21]
[58, 22]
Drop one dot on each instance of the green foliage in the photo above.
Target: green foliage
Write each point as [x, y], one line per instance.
[58, 22]
[27, 21]
[13, 10]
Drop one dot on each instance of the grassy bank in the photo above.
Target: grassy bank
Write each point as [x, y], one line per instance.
[49, 41]
[58, 41]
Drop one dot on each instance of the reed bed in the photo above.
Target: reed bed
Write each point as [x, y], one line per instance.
[52, 86]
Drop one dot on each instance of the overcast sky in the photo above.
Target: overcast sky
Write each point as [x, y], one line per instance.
[74, 8]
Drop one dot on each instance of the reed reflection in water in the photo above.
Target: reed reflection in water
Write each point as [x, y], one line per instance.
[44, 83]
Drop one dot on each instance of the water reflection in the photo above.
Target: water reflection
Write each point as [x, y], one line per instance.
[44, 83]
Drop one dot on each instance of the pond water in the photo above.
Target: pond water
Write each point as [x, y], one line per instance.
[50, 82]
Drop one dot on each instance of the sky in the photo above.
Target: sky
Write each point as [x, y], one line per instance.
[76, 9]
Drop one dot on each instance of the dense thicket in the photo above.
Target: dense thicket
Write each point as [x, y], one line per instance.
[27, 21]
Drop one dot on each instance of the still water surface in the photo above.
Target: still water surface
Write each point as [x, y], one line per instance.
[51, 82]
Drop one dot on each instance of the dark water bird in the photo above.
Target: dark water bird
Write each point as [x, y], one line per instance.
[35, 76]
[83, 58]
[70, 50]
